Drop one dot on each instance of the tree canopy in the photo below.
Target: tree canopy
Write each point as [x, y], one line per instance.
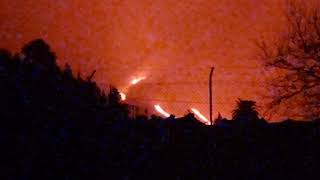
[295, 59]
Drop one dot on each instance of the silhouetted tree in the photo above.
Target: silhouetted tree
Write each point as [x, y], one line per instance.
[67, 70]
[295, 59]
[245, 111]
[4, 56]
[39, 52]
[114, 96]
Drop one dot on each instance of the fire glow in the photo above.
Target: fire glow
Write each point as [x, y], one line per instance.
[159, 108]
[137, 80]
[161, 111]
[198, 114]
[123, 96]
[117, 44]
[134, 81]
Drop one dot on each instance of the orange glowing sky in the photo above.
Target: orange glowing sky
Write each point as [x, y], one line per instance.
[172, 43]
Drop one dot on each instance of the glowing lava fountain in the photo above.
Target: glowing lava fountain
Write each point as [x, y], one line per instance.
[137, 80]
[161, 111]
[134, 81]
[123, 96]
[198, 114]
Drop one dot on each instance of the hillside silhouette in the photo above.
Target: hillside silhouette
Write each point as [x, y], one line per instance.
[55, 125]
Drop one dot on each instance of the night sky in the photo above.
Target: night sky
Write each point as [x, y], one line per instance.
[171, 43]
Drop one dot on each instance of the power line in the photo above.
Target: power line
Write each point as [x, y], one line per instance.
[201, 83]
[175, 101]
[184, 68]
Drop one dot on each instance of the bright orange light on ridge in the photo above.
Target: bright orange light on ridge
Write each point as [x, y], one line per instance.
[123, 96]
[161, 111]
[198, 114]
[137, 80]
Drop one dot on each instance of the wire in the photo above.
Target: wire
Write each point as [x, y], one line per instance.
[190, 68]
[241, 81]
[175, 101]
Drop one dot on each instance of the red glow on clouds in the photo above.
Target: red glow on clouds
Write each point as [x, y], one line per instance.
[174, 42]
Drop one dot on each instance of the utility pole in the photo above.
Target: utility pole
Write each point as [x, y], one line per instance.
[210, 94]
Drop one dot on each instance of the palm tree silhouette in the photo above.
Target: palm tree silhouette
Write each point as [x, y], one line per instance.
[245, 111]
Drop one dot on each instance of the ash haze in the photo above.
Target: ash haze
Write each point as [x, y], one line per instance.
[171, 43]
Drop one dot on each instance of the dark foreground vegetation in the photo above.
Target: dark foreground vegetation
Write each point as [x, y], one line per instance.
[54, 125]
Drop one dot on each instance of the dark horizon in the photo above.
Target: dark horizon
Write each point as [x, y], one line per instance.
[123, 40]
[58, 125]
[159, 90]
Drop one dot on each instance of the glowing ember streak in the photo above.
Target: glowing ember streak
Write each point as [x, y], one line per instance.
[123, 96]
[196, 112]
[161, 111]
[137, 80]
